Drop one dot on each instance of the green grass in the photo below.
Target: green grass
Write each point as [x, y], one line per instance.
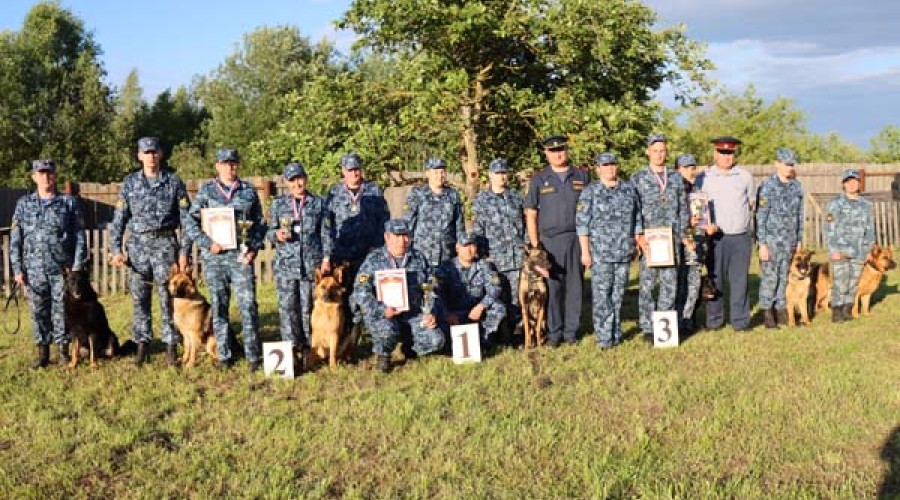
[800, 413]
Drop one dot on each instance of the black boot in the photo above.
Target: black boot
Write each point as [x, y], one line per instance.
[781, 316]
[384, 363]
[837, 314]
[64, 358]
[143, 353]
[847, 311]
[172, 355]
[43, 358]
[769, 320]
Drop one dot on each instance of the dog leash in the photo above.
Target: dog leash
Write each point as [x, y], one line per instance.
[13, 296]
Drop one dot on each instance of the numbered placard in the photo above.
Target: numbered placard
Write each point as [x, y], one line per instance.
[278, 359]
[466, 343]
[665, 328]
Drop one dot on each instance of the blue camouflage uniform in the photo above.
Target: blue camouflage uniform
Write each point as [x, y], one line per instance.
[297, 259]
[47, 237]
[610, 217]
[850, 230]
[779, 226]
[385, 332]
[690, 269]
[435, 219]
[463, 288]
[152, 210]
[224, 269]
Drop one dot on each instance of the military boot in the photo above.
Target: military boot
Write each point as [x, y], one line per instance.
[847, 311]
[143, 352]
[781, 316]
[172, 355]
[384, 363]
[64, 358]
[769, 321]
[43, 358]
[837, 314]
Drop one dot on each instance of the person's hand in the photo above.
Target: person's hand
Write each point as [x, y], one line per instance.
[586, 259]
[835, 256]
[689, 242]
[215, 249]
[249, 257]
[429, 321]
[390, 312]
[282, 235]
[183, 263]
[20, 279]
[477, 312]
[118, 260]
[642, 244]
[710, 229]
[764, 253]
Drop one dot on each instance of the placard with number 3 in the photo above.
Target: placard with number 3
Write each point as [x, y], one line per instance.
[665, 328]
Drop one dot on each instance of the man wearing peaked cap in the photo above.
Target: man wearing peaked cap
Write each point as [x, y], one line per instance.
[434, 213]
[555, 142]
[152, 204]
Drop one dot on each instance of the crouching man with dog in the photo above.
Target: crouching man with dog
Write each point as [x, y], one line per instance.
[386, 324]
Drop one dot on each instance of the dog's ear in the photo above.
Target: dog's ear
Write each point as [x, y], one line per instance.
[318, 275]
[174, 270]
[338, 274]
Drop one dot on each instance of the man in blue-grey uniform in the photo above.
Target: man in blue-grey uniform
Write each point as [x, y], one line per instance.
[663, 205]
[151, 204]
[296, 233]
[434, 214]
[470, 290]
[230, 262]
[550, 220]
[779, 232]
[46, 240]
[731, 195]
[608, 220]
[499, 227]
[849, 236]
[387, 324]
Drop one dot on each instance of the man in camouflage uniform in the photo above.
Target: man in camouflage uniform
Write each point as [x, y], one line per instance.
[434, 214]
[607, 220]
[470, 290]
[500, 229]
[663, 204]
[151, 204]
[779, 232]
[296, 233]
[690, 269]
[46, 241]
[849, 236]
[387, 324]
[224, 267]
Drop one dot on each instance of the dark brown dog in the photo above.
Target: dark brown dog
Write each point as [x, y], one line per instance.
[327, 319]
[86, 320]
[821, 282]
[798, 285]
[533, 294]
[880, 261]
[192, 315]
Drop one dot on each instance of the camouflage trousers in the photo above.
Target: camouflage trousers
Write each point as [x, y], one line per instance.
[667, 277]
[773, 281]
[294, 309]
[45, 294]
[386, 333]
[689, 278]
[509, 281]
[608, 282]
[490, 321]
[221, 272]
[151, 260]
[846, 280]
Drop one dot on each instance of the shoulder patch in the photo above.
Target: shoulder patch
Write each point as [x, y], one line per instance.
[495, 279]
[184, 203]
[579, 207]
[120, 203]
[830, 218]
[362, 278]
[762, 201]
[405, 207]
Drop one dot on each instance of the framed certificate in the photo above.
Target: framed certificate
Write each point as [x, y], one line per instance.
[698, 203]
[390, 288]
[661, 251]
[218, 223]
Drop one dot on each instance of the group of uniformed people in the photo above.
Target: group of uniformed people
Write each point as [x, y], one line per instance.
[598, 225]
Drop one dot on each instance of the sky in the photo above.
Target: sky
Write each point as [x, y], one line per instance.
[839, 61]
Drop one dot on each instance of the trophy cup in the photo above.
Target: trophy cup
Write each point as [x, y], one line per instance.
[427, 299]
[244, 226]
[285, 222]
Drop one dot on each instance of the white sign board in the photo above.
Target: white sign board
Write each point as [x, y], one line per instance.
[466, 344]
[665, 328]
[278, 359]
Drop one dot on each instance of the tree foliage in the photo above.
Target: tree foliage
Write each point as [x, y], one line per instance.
[886, 145]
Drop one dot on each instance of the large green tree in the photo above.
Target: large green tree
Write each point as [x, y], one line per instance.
[886, 145]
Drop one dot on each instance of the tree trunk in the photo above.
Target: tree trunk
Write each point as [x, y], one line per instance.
[471, 116]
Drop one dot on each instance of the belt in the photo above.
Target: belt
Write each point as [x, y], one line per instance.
[158, 233]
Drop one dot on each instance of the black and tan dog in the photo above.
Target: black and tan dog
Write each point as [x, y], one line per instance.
[879, 261]
[821, 284]
[798, 287]
[327, 318]
[192, 315]
[533, 294]
[86, 320]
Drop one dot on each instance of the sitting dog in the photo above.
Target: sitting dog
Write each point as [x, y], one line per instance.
[879, 261]
[327, 318]
[533, 293]
[821, 282]
[86, 320]
[192, 315]
[798, 285]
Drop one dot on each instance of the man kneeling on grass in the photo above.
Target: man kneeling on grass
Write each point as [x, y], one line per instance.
[385, 323]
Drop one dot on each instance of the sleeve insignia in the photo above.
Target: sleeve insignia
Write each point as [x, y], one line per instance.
[184, 203]
[495, 279]
[830, 218]
[405, 207]
[762, 201]
[579, 207]
[120, 203]
[363, 278]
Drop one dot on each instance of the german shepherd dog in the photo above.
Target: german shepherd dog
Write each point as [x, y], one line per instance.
[86, 320]
[533, 293]
[821, 273]
[798, 285]
[192, 315]
[879, 261]
[327, 318]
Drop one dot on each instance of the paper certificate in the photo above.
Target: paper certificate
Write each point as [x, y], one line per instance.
[699, 205]
[660, 249]
[390, 288]
[218, 224]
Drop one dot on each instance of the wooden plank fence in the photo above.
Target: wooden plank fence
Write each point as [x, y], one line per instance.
[885, 213]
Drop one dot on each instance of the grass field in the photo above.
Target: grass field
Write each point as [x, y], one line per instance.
[801, 413]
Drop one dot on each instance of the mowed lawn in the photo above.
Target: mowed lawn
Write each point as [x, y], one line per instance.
[799, 413]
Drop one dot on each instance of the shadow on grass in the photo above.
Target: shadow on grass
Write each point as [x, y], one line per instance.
[890, 453]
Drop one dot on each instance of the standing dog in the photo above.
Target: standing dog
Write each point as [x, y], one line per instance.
[533, 293]
[798, 285]
[86, 320]
[327, 319]
[192, 315]
[822, 281]
[880, 261]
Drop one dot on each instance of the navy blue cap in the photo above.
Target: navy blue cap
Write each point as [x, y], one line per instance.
[351, 161]
[228, 155]
[726, 142]
[148, 144]
[293, 170]
[555, 142]
[850, 173]
[45, 165]
[498, 166]
[654, 138]
[606, 158]
[396, 226]
[685, 160]
[432, 163]
[467, 238]
[786, 156]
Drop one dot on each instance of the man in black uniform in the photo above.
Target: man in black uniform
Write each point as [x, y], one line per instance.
[550, 218]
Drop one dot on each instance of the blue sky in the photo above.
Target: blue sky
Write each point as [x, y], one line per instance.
[838, 60]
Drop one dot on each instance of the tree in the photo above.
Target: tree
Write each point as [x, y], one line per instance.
[129, 103]
[173, 119]
[886, 145]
